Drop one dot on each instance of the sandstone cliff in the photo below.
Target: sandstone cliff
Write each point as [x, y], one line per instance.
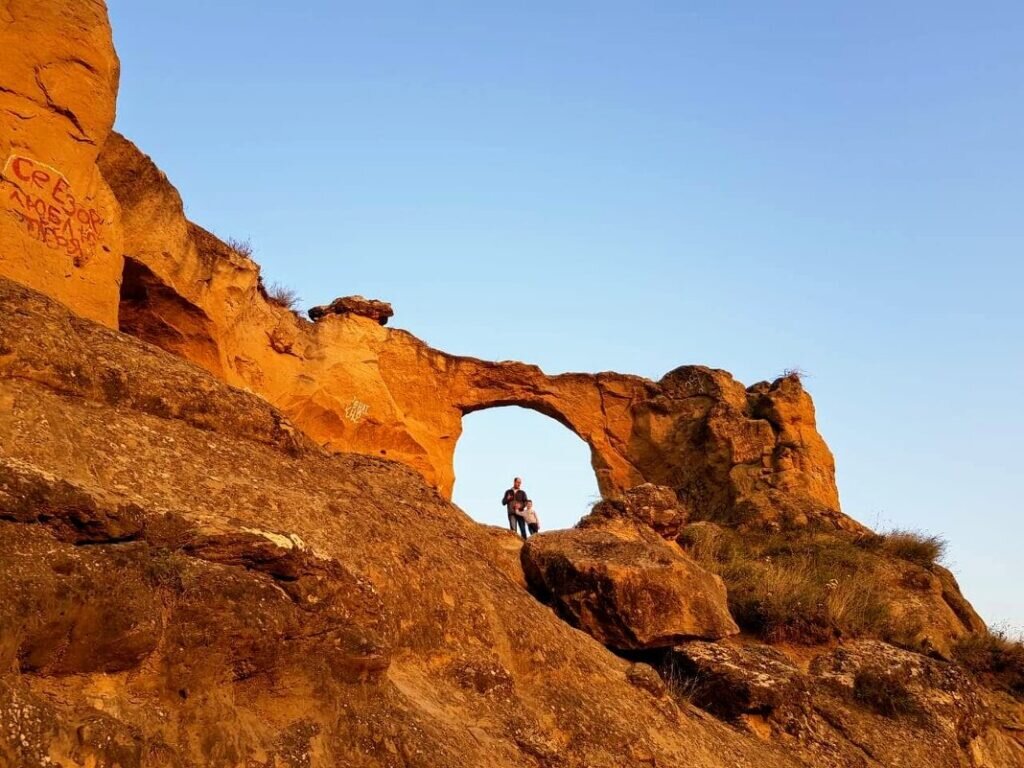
[60, 226]
[111, 241]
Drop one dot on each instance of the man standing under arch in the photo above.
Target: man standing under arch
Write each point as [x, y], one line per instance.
[514, 502]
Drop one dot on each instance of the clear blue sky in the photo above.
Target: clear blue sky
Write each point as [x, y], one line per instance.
[751, 186]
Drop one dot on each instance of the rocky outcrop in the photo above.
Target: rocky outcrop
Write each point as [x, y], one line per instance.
[816, 586]
[864, 703]
[733, 680]
[374, 309]
[59, 223]
[654, 506]
[937, 698]
[629, 593]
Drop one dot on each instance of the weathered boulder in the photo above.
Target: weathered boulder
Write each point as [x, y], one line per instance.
[864, 703]
[896, 681]
[374, 309]
[628, 593]
[60, 228]
[652, 505]
[730, 680]
[934, 696]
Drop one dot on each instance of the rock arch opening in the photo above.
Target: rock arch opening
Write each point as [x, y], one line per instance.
[502, 441]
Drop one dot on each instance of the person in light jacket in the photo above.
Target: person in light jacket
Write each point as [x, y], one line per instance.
[532, 521]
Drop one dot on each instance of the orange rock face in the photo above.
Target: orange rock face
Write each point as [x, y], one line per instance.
[354, 385]
[188, 578]
[59, 222]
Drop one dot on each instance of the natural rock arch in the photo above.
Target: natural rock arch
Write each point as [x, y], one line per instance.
[551, 411]
[748, 456]
[576, 401]
[573, 441]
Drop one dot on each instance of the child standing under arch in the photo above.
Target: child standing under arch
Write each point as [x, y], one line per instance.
[532, 521]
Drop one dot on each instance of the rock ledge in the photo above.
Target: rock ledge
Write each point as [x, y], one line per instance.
[379, 311]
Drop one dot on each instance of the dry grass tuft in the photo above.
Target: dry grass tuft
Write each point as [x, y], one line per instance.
[682, 685]
[883, 691]
[994, 658]
[241, 247]
[913, 546]
[800, 587]
[282, 296]
[796, 372]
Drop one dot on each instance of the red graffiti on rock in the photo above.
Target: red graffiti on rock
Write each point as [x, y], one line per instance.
[43, 202]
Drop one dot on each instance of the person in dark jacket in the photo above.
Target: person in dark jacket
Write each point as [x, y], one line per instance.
[514, 502]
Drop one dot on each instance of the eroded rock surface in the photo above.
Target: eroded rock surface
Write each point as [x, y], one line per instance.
[187, 581]
[730, 680]
[631, 593]
[864, 703]
[655, 506]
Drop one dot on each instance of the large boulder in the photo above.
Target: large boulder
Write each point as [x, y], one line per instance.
[628, 593]
[730, 680]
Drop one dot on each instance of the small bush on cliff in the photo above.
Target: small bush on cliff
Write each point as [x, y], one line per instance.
[283, 296]
[796, 372]
[709, 544]
[278, 294]
[778, 601]
[994, 658]
[241, 247]
[884, 691]
[913, 546]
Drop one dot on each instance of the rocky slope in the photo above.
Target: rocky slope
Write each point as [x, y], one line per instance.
[187, 580]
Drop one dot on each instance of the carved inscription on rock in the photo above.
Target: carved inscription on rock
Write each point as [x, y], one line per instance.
[45, 205]
[356, 411]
